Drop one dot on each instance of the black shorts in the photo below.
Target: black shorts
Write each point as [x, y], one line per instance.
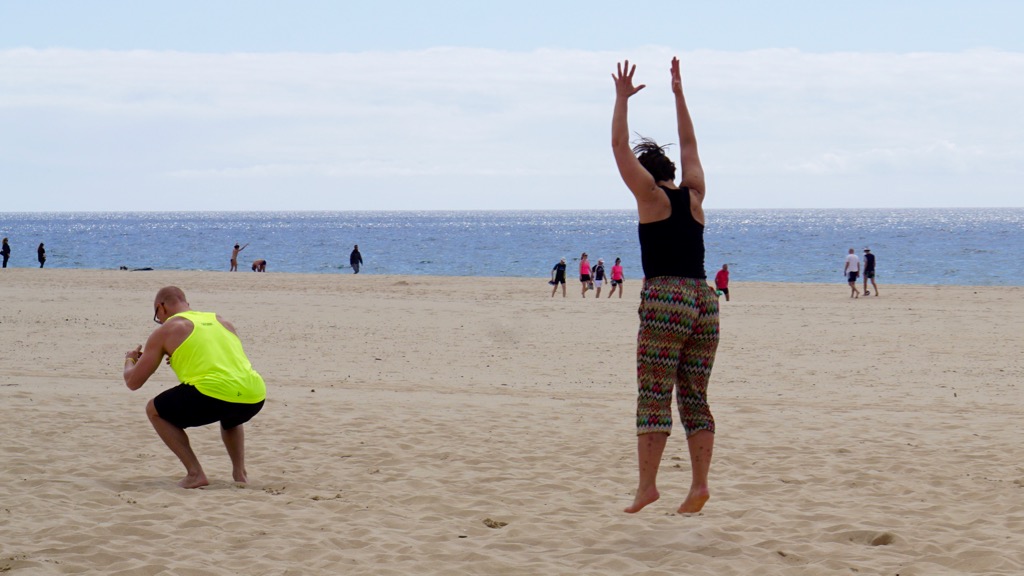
[559, 279]
[616, 282]
[186, 407]
[853, 276]
[869, 274]
[584, 277]
[724, 291]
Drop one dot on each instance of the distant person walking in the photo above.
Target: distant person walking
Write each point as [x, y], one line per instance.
[355, 259]
[234, 256]
[259, 265]
[869, 272]
[558, 277]
[584, 274]
[41, 254]
[617, 278]
[722, 281]
[678, 335]
[598, 277]
[6, 252]
[851, 270]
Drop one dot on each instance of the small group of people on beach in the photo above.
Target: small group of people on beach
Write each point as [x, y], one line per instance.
[258, 265]
[591, 278]
[355, 260]
[676, 342]
[852, 269]
[5, 251]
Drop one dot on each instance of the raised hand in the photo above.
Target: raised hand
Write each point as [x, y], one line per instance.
[624, 81]
[677, 80]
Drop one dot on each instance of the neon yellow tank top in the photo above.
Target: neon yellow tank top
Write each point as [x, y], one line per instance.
[212, 360]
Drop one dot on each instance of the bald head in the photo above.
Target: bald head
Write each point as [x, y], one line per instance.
[171, 295]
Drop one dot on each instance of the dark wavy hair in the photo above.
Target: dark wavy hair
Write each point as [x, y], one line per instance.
[653, 158]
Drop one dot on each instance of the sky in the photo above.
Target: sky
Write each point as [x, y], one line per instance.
[446, 105]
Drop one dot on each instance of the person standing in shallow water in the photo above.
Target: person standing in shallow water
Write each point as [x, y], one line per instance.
[678, 335]
[6, 252]
[41, 254]
[234, 256]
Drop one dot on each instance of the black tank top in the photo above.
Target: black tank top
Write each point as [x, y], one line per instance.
[673, 246]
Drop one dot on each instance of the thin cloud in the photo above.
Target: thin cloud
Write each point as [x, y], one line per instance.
[525, 129]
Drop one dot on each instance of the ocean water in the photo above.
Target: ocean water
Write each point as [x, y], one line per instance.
[973, 246]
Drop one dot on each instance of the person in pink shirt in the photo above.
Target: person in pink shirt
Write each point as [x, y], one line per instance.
[722, 281]
[584, 274]
[616, 277]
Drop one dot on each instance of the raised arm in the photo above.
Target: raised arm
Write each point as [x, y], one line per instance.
[637, 178]
[692, 171]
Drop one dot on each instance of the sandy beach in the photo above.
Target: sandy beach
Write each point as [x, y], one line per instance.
[434, 425]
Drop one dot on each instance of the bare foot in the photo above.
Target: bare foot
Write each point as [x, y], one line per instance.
[194, 481]
[643, 498]
[694, 501]
[240, 477]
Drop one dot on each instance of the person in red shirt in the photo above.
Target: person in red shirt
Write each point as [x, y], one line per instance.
[722, 281]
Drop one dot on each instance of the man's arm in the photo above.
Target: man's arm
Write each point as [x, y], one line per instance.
[692, 170]
[145, 361]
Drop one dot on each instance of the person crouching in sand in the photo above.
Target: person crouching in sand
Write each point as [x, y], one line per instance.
[678, 334]
[218, 382]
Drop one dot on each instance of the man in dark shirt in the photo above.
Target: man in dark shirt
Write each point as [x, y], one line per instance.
[869, 272]
[558, 277]
[355, 259]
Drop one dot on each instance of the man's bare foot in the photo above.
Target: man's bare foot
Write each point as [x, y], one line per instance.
[240, 477]
[694, 501]
[643, 498]
[194, 481]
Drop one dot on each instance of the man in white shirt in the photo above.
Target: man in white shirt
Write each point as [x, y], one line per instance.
[851, 271]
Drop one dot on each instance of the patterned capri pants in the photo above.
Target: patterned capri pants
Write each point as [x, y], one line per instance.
[675, 350]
